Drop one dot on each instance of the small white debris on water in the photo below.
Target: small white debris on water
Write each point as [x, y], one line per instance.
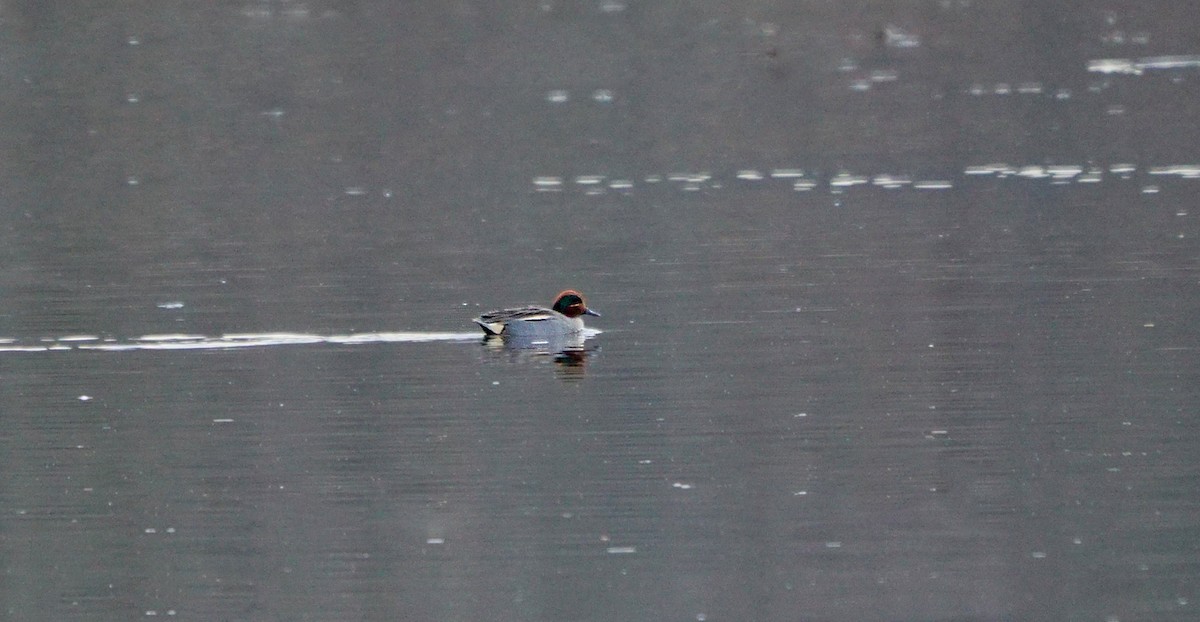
[602, 96]
[548, 184]
[1186, 171]
[884, 75]
[890, 181]
[621, 550]
[174, 304]
[222, 420]
[1114, 65]
[833, 545]
[1038, 554]
[681, 486]
[558, 96]
[1150, 189]
[612, 6]
[845, 180]
[749, 175]
[895, 37]
[355, 191]
[800, 493]
[435, 541]
[85, 398]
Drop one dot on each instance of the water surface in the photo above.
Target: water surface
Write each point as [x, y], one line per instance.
[898, 311]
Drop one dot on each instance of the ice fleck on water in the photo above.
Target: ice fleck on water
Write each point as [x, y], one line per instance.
[558, 96]
[174, 304]
[621, 550]
[602, 96]
[681, 486]
[894, 37]
[547, 183]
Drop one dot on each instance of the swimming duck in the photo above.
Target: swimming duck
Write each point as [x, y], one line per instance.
[562, 318]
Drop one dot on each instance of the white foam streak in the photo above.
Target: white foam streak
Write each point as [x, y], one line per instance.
[232, 341]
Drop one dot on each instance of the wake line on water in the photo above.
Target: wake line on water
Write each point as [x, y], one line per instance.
[224, 342]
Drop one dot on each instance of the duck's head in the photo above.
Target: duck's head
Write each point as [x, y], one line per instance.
[570, 303]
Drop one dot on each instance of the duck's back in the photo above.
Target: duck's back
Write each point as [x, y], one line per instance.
[527, 322]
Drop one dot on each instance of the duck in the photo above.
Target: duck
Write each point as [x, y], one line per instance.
[563, 318]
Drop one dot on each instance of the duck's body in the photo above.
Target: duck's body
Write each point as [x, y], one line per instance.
[563, 318]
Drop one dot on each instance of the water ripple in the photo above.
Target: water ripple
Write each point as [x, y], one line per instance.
[228, 341]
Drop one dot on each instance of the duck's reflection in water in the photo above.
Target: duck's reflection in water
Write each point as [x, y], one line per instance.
[569, 353]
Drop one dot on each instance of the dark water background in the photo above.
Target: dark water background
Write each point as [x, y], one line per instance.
[899, 302]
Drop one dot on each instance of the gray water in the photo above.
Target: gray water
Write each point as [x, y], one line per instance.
[899, 311]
